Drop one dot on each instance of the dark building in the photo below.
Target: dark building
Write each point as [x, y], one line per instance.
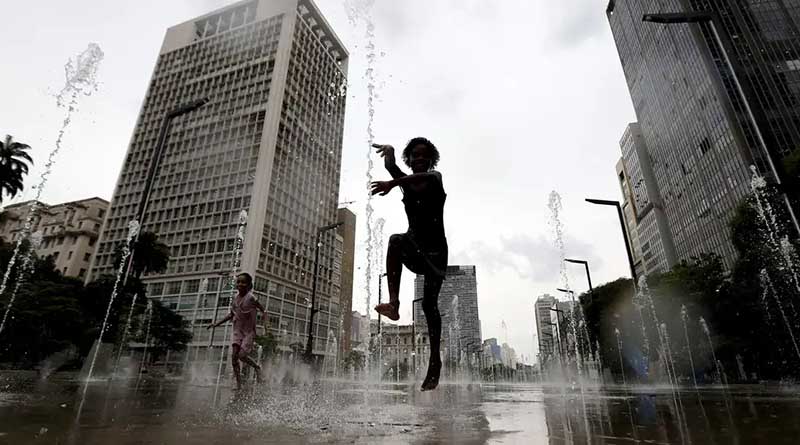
[458, 305]
[347, 232]
[699, 136]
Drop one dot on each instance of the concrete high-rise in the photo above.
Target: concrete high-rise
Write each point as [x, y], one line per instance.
[544, 330]
[268, 142]
[462, 331]
[699, 137]
[347, 232]
[649, 234]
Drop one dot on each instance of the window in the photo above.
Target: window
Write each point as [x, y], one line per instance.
[100, 213]
[69, 255]
[82, 273]
[87, 256]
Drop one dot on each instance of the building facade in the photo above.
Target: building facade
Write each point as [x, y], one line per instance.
[69, 231]
[544, 330]
[458, 306]
[651, 239]
[269, 142]
[699, 136]
[629, 215]
[397, 346]
[347, 232]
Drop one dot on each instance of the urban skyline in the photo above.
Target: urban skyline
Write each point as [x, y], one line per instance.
[514, 268]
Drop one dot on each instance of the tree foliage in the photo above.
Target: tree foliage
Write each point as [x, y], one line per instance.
[740, 306]
[54, 313]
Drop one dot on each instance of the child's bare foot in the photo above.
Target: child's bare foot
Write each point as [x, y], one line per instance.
[389, 310]
[432, 378]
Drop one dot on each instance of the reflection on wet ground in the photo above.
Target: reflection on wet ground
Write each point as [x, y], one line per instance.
[164, 411]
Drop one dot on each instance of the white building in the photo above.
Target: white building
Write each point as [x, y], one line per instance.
[268, 142]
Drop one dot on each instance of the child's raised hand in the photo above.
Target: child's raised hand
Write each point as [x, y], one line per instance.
[382, 187]
[387, 152]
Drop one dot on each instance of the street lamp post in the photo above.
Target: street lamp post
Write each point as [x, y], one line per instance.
[155, 162]
[414, 334]
[624, 232]
[380, 298]
[314, 310]
[755, 113]
[585, 265]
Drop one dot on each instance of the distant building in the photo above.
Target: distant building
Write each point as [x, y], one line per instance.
[398, 344]
[643, 209]
[359, 330]
[492, 352]
[561, 317]
[347, 232]
[544, 331]
[69, 231]
[509, 356]
[461, 330]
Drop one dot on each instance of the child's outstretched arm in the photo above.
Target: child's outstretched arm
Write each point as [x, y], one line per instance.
[214, 325]
[389, 161]
[416, 180]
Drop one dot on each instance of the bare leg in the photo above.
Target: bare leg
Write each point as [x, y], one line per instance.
[430, 306]
[236, 369]
[246, 359]
[394, 270]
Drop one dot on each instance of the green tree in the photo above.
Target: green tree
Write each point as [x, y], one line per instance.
[353, 360]
[149, 255]
[268, 343]
[14, 161]
[168, 331]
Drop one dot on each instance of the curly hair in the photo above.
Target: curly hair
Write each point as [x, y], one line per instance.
[247, 277]
[420, 141]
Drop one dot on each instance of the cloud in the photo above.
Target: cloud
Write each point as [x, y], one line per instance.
[576, 21]
[532, 258]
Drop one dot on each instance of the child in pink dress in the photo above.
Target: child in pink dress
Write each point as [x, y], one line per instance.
[243, 314]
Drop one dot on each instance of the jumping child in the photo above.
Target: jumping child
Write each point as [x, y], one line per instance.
[423, 248]
[243, 313]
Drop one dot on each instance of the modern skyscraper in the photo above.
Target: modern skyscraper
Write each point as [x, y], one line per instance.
[544, 330]
[699, 136]
[347, 232]
[461, 329]
[651, 240]
[268, 142]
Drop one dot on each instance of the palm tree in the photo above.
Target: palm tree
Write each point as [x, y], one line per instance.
[13, 166]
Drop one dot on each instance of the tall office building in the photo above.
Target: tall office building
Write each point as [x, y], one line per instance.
[461, 328]
[347, 232]
[544, 330]
[629, 215]
[268, 142]
[650, 237]
[699, 137]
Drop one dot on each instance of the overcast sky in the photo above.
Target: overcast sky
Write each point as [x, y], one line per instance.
[522, 97]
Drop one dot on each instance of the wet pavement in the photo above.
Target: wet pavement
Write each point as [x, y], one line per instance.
[161, 411]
